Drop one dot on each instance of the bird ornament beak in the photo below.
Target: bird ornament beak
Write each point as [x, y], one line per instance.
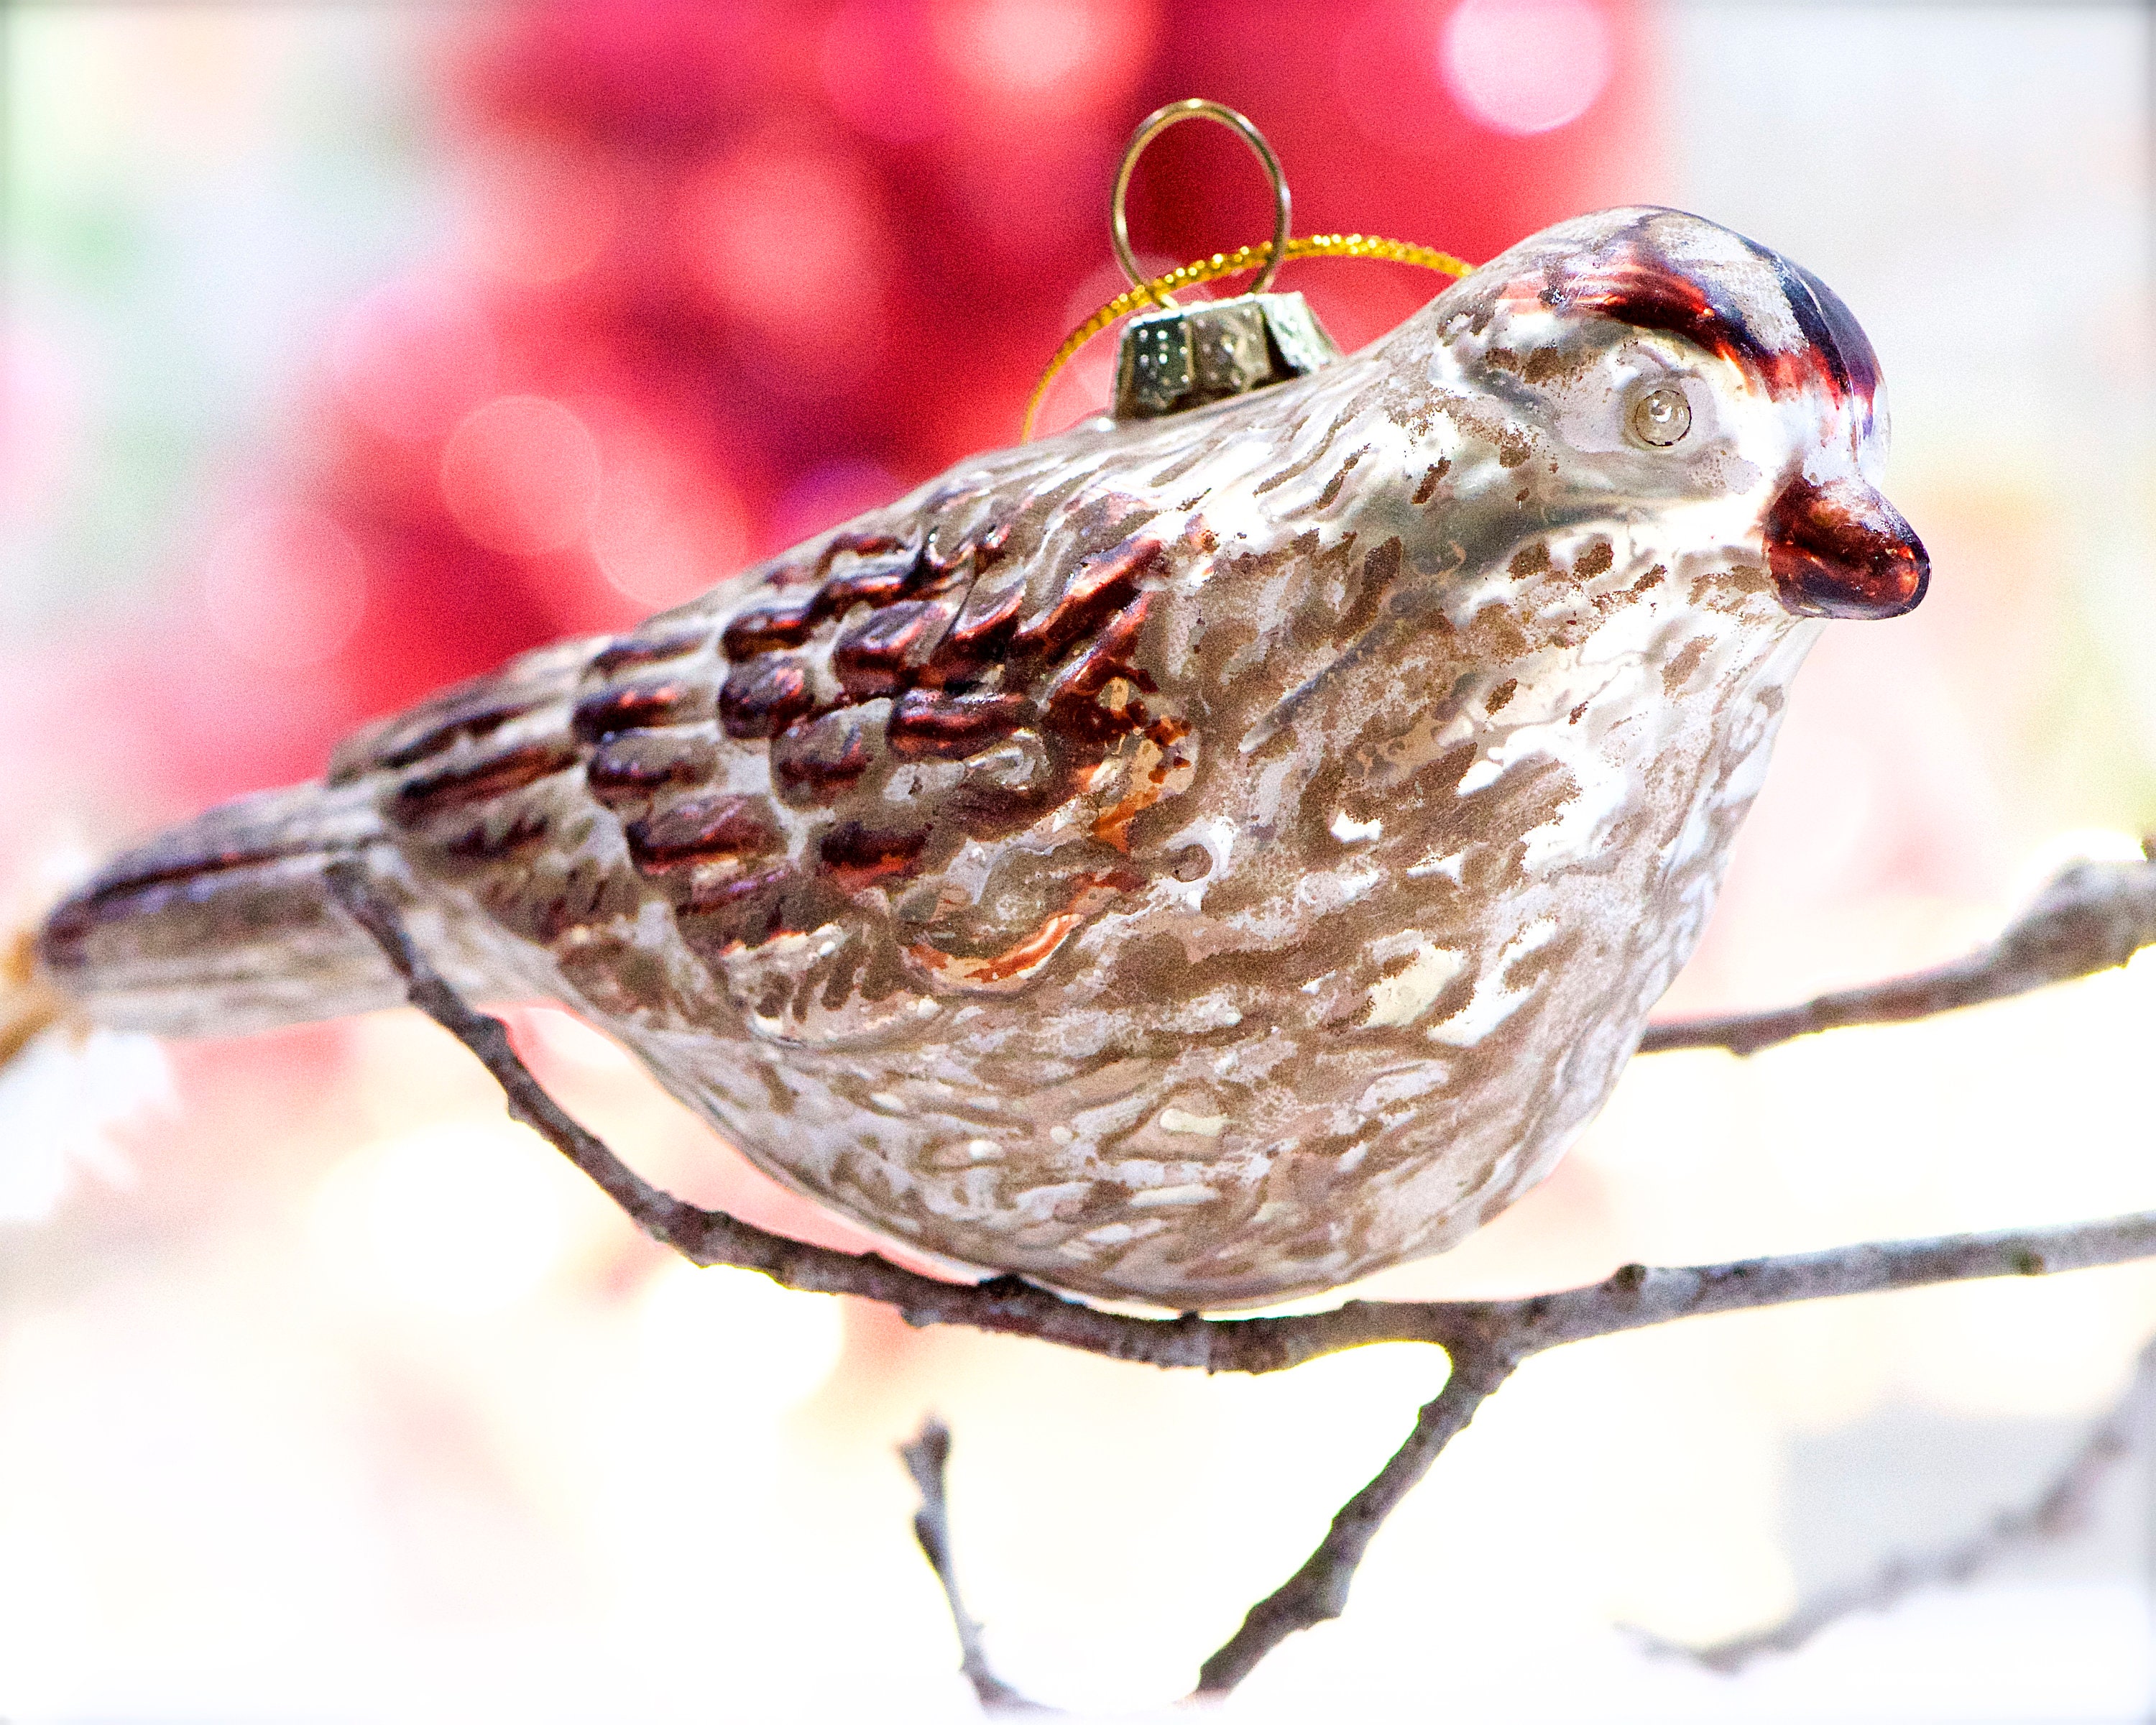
[1839, 549]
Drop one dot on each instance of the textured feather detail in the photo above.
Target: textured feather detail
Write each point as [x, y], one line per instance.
[225, 926]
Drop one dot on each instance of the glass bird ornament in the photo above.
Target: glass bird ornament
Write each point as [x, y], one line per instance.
[1198, 860]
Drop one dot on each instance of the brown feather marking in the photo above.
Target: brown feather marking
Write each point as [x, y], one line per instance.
[1427, 488]
[878, 584]
[929, 725]
[855, 856]
[526, 827]
[477, 780]
[818, 760]
[638, 763]
[746, 909]
[647, 650]
[978, 636]
[979, 548]
[885, 653]
[717, 828]
[1102, 587]
[478, 715]
[638, 706]
[767, 628]
[764, 696]
[865, 545]
[1075, 711]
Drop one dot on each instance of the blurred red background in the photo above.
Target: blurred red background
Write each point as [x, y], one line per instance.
[726, 274]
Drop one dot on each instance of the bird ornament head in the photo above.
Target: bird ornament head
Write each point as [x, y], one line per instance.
[1197, 859]
[1699, 362]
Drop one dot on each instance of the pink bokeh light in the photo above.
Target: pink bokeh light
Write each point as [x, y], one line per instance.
[790, 237]
[521, 474]
[1039, 61]
[541, 210]
[665, 528]
[413, 359]
[1527, 66]
[285, 586]
[878, 66]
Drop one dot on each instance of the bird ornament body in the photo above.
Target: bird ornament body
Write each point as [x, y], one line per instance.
[1197, 861]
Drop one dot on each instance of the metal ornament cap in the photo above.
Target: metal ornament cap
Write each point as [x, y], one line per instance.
[1188, 355]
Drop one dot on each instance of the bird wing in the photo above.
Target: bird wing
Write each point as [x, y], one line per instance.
[925, 737]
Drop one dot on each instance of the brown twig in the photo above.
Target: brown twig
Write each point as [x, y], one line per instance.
[2060, 1508]
[1318, 1590]
[1484, 1339]
[928, 1458]
[2093, 915]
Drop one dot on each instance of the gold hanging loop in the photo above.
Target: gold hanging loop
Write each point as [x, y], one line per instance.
[1151, 127]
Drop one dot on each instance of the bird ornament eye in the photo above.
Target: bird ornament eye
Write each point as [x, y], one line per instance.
[1660, 417]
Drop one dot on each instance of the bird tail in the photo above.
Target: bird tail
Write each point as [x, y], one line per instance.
[226, 926]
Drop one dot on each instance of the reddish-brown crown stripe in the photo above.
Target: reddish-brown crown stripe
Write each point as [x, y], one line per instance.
[1634, 284]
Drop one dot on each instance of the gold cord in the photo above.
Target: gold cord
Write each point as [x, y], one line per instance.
[1157, 291]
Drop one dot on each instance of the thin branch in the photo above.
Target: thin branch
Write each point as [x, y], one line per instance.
[926, 1458]
[1318, 1590]
[2092, 916]
[2062, 1508]
[659, 1213]
[1484, 1338]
